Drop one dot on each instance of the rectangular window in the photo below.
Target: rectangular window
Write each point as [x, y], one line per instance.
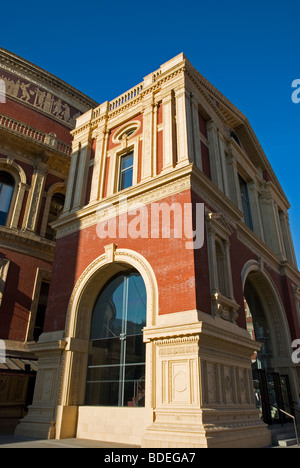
[41, 311]
[126, 171]
[246, 203]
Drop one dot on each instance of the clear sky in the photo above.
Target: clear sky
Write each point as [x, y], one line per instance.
[248, 49]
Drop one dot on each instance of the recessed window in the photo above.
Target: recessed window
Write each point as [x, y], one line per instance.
[126, 131]
[246, 203]
[126, 171]
[235, 137]
[129, 132]
[7, 185]
[56, 207]
[41, 311]
[116, 364]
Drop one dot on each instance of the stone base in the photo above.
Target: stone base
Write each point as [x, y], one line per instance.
[251, 437]
[203, 385]
[40, 421]
[37, 425]
[209, 428]
[112, 424]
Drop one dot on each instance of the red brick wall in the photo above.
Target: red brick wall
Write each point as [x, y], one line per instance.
[202, 272]
[36, 120]
[111, 144]
[160, 160]
[205, 160]
[18, 293]
[182, 275]
[202, 125]
[240, 255]
[173, 267]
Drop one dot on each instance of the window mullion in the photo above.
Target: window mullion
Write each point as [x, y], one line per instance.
[123, 343]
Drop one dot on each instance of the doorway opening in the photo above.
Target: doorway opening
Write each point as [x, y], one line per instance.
[272, 389]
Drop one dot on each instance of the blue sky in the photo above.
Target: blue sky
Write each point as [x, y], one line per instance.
[248, 49]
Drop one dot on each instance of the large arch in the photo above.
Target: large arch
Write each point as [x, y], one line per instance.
[273, 307]
[19, 176]
[79, 317]
[280, 363]
[58, 188]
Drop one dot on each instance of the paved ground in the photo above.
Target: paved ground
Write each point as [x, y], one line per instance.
[21, 442]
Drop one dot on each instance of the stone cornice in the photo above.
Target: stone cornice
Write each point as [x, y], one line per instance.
[26, 243]
[133, 97]
[214, 198]
[154, 190]
[234, 118]
[261, 250]
[45, 142]
[29, 69]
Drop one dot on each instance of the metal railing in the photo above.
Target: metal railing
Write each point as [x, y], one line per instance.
[290, 416]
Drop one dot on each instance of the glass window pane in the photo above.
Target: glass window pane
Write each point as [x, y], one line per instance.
[104, 352]
[102, 393]
[56, 208]
[246, 203]
[126, 179]
[7, 185]
[41, 311]
[126, 171]
[137, 303]
[116, 364]
[135, 349]
[127, 161]
[107, 317]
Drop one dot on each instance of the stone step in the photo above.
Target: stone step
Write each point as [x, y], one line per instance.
[288, 442]
[283, 433]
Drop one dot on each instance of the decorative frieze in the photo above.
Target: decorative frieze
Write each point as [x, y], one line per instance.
[39, 97]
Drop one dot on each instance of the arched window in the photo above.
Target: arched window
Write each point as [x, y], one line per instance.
[258, 327]
[56, 207]
[116, 365]
[7, 185]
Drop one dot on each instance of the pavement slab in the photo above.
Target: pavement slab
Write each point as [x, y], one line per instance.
[22, 442]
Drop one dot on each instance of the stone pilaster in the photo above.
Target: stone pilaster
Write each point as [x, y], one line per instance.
[35, 197]
[287, 238]
[255, 210]
[184, 127]
[148, 135]
[203, 387]
[270, 222]
[215, 155]
[82, 174]
[169, 144]
[40, 420]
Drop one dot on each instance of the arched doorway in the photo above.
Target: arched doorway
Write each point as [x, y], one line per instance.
[266, 324]
[93, 309]
[116, 361]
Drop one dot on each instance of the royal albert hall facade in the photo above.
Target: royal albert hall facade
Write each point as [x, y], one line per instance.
[37, 112]
[150, 339]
